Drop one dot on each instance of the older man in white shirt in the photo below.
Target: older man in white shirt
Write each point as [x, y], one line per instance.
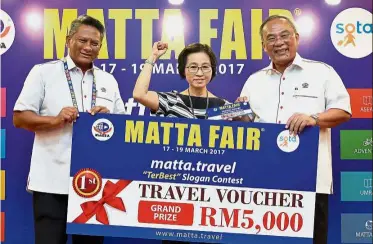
[299, 93]
[52, 96]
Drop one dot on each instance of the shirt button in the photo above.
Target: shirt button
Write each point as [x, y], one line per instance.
[279, 121]
[281, 107]
[282, 93]
[283, 78]
[83, 82]
[85, 96]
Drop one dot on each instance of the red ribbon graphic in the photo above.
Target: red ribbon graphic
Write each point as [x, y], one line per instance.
[109, 197]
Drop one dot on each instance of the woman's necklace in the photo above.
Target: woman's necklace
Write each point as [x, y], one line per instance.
[207, 103]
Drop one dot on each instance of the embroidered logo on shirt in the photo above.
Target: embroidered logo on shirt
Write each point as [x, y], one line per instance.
[305, 85]
[103, 89]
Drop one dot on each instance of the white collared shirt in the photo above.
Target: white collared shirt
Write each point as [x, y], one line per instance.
[46, 92]
[308, 87]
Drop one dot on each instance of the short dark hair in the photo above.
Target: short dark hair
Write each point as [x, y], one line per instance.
[86, 20]
[273, 17]
[196, 48]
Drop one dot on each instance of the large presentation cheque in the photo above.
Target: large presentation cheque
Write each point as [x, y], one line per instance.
[192, 180]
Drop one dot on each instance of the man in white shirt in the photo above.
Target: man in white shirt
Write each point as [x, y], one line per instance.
[299, 93]
[52, 96]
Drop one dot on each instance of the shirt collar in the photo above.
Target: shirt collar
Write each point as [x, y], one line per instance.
[71, 65]
[298, 61]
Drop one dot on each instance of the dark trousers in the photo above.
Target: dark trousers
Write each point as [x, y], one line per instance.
[320, 234]
[50, 214]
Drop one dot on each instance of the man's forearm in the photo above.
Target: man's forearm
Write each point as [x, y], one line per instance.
[30, 121]
[333, 117]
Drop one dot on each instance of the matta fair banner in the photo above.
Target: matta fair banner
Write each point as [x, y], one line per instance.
[339, 34]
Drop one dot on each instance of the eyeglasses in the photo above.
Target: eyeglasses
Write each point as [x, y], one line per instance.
[283, 37]
[194, 68]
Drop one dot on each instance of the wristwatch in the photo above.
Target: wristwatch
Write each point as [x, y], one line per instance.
[316, 118]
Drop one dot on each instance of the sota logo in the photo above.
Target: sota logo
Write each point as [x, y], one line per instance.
[351, 32]
[287, 142]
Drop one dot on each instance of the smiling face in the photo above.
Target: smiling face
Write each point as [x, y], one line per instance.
[280, 41]
[198, 71]
[84, 46]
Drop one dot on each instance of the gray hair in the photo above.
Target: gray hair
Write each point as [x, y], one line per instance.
[86, 20]
[273, 17]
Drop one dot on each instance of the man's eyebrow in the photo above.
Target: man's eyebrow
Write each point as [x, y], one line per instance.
[282, 32]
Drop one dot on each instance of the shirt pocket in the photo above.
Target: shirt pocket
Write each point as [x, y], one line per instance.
[309, 101]
[106, 100]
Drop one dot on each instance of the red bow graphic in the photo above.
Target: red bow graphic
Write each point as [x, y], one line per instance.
[97, 208]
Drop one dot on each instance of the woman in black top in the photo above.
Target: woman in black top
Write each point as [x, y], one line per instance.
[197, 64]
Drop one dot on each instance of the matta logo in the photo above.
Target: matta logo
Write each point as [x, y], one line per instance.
[356, 228]
[368, 225]
[102, 129]
[351, 32]
[7, 32]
